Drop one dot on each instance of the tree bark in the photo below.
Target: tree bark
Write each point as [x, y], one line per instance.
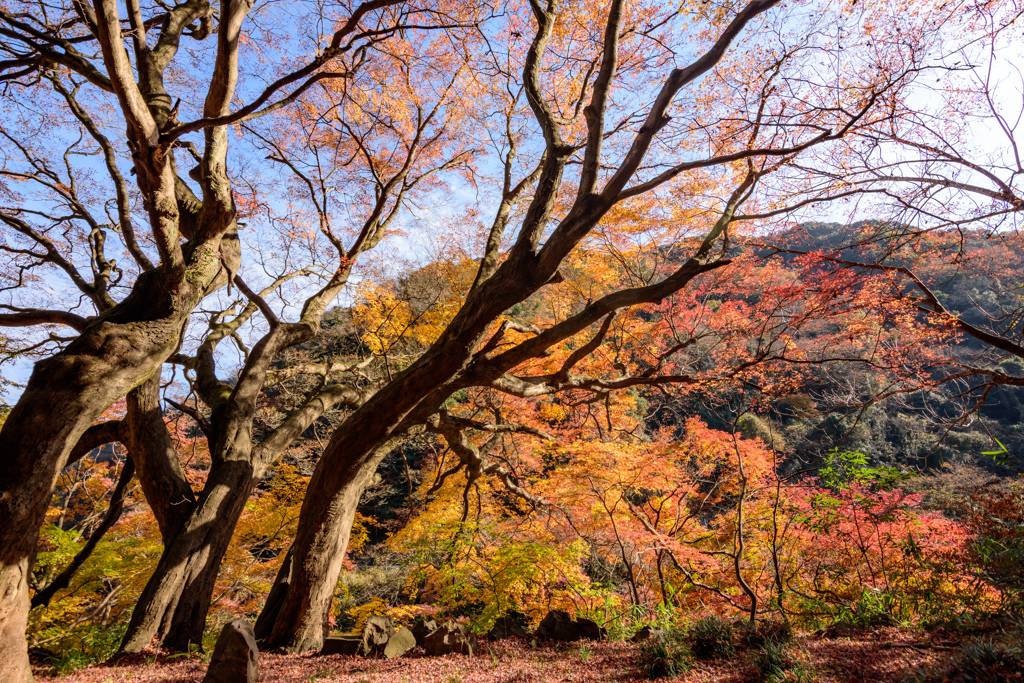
[163, 482]
[298, 608]
[174, 603]
[14, 665]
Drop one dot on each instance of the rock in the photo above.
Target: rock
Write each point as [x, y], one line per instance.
[646, 633]
[559, 626]
[641, 635]
[840, 629]
[421, 628]
[349, 645]
[450, 637]
[508, 626]
[376, 634]
[590, 629]
[400, 643]
[883, 619]
[235, 656]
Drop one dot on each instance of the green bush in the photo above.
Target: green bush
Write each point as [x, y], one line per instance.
[711, 638]
[664, 655]
[79, 647]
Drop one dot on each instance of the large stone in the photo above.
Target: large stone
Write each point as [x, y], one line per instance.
[448, 638]
[376, 634]
[235, 656]
[559, 626]
[646, 633]
[421, 628]
[882, 620]
[508, 626]
[840, 629]
[349, 645]
[590, 629]
[400, 643]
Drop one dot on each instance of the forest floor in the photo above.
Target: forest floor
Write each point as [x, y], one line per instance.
[881, 655]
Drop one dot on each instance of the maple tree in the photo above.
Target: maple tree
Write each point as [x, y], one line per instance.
[591, 171]
[373, 159]
[688, 516]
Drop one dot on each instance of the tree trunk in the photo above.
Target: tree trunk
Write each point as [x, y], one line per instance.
[173, 606]
[14, 666]
[174, 603]
[65, 395]
[328, 509]
[164, 484]
[296, 615]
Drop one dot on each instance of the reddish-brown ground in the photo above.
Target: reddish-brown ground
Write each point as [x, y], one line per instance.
[885, 655]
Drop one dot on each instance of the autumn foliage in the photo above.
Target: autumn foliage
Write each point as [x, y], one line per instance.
[482, 310]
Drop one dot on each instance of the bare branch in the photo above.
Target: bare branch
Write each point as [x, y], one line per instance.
[27, 317]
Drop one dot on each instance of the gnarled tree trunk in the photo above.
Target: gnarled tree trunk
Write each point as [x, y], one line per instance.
[163, 482]
[355, 450]
[174, 604]
[65, 395]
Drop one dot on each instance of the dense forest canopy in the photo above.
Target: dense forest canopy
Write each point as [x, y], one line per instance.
[638, 310]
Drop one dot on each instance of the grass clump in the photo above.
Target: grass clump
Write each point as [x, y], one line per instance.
[664, 654]
[765, 631]
[980, 660]
[711, 638]
[772, 661]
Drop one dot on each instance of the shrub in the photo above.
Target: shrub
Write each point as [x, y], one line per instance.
[663, 655]
[994, 515]
[711, 638]
[771, 660]
[873, 608]
[765, 631]
[980, 660]
[79, 646]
